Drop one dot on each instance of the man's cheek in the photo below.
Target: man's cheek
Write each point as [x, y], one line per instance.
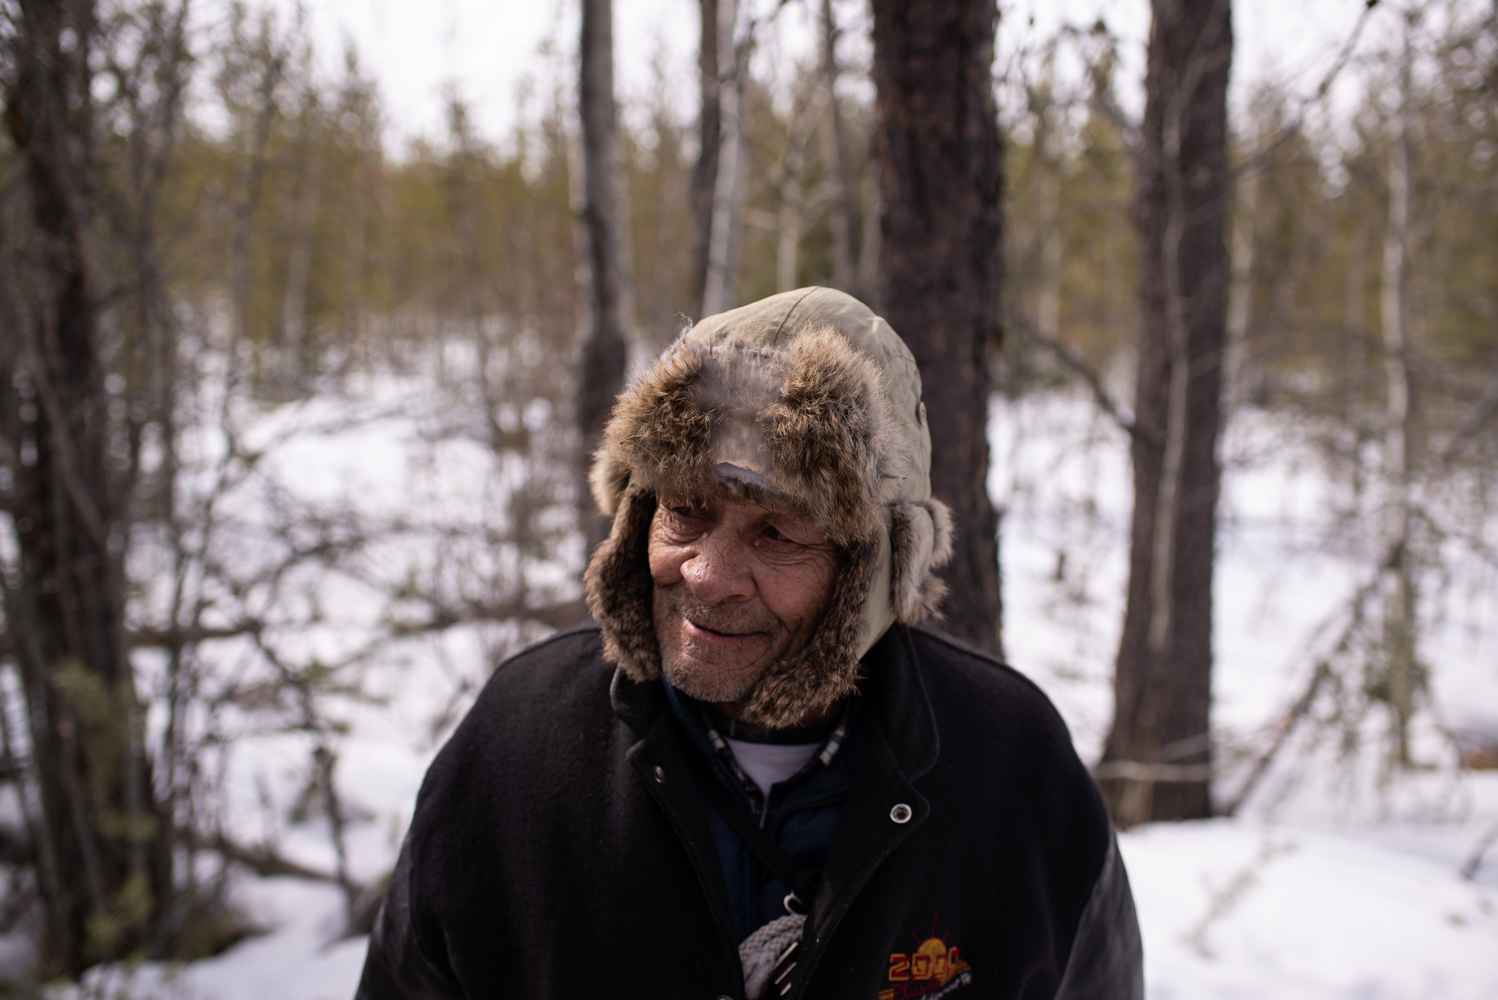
[665, 565]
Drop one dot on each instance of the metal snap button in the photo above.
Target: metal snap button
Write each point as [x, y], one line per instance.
[660, 774]
[900, 813]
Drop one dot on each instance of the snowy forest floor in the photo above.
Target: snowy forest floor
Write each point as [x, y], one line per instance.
[1334, 880]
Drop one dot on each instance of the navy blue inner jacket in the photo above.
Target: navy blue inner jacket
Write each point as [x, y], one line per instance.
[801, 819]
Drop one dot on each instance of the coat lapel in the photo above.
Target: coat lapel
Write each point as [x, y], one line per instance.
[661, 768]
[900, 746]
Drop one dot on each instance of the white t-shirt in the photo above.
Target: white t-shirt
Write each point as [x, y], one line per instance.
[771, 763]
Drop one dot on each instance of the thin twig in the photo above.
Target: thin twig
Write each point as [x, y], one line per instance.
[1319, 676]
[1135, 770]
[262, 859]
[1260, 157]
[1073, 359]
[1474, 861]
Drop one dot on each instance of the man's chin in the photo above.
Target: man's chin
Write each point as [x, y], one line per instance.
[711, 684]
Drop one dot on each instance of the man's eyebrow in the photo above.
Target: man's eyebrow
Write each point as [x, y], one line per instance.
[771, 500]
[779, 507]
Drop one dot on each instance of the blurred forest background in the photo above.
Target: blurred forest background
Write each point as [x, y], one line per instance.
[245, 245]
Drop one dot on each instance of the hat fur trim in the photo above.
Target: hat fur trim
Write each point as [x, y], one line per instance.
[619, 589]
[819, 408]
[920, 538]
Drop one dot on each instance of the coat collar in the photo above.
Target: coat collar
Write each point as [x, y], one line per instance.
[637, 705]
[897, 691]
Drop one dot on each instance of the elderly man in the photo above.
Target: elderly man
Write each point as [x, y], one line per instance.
[754, 775]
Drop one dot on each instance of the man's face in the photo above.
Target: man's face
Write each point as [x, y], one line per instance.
[738, 587]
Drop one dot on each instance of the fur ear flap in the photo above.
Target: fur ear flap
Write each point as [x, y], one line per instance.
[608, 480]
[920, 537]
[941, 521]
[619, 589]
[910, 540]
[826, 669]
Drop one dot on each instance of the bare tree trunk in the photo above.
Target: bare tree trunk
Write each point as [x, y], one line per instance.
[868, 243]
[299, 262]
[272, 70]
[351, 308]
[467, 296]
[1240, 292]
[788, 225]
[806, 111]
[1156, 761]
[941, 180]
[159, 80]
[1398, 583]
[843, 217]
[728, 187]
[1048, 194]
[792, 206]
[601, 333]
[105, 883]
[1355, 285]
[356, 97]
[709, 142]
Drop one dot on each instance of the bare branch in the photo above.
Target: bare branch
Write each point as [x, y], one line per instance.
[444, 617]
[1079, 366]
[1287, 134]
[1474, 860]
[149, 637]
[1481, 413]
[1133, 770]
[261, 859]
[1356, 614]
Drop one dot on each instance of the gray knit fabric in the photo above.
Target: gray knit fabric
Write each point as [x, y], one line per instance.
[759, 952]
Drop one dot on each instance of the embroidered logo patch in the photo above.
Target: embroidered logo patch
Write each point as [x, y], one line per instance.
[933, 970]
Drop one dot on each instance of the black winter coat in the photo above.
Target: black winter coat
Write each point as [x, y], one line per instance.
[560, 849]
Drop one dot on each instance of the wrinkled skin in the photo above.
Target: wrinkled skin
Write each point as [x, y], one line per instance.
[739, 586]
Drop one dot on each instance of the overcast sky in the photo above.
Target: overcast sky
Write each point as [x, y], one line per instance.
[484, 49]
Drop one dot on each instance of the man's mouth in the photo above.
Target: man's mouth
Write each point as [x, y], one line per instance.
[708, 625]
[705, 631]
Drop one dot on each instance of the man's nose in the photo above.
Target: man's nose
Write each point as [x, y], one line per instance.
[719, 570]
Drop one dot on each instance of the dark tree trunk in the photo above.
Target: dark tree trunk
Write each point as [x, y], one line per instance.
[709, 141]
[102, 848]
[601, 366]
[843, 216]
[1157, 761]
[939, 268]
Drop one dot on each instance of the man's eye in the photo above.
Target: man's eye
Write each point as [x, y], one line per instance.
[774, 534]
[684, 510]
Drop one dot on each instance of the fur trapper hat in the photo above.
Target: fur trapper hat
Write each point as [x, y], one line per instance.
[806, 396]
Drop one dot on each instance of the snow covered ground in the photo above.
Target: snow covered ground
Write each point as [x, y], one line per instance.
[1244, 909]
[1329, 884]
